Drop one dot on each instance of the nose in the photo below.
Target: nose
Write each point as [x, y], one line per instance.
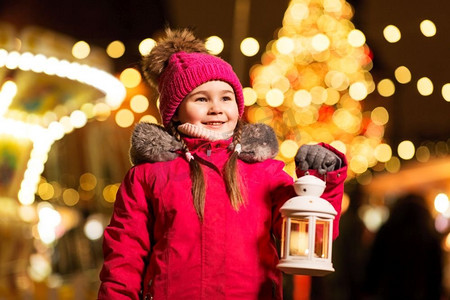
[215, 108]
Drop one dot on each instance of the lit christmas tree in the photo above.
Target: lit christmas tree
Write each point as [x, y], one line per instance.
[310, 84]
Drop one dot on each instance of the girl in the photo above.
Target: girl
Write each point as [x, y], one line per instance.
[196, 215]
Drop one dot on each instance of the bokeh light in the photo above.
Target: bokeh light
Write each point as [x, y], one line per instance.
[386, 88]
[139, 103]
[402, 74]
[130, 77]
[249, 47]
[214, 45]
[441, 202]
[425, 86]
[146, 45]
[124, 118]
[81, 50]
[250, 96]
[356, 38]
[428, 28]
[446, 92]
[392, 34]
[406, 150]
[115, 49]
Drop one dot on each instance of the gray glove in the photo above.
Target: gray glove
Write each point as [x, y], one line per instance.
[318, 158]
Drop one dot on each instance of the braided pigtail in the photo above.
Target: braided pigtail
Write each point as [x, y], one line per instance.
[196, 173]
[232, 179]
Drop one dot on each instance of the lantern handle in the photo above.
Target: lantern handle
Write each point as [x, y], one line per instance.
[324, 175]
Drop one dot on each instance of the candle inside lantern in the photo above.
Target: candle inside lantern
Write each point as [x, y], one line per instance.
[298, 244]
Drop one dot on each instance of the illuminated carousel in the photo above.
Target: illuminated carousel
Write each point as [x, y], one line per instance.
[49, 87]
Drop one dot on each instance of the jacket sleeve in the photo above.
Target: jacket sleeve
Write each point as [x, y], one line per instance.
[126, 243]
[282, 189]
[334, 189]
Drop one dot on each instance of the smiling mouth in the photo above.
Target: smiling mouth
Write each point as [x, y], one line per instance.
[214, 123]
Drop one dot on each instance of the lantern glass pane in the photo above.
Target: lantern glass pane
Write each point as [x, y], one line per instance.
[298, 244]
[283, 238]
[322, 236]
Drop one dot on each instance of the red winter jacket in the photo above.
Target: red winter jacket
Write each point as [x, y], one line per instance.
[155, 246]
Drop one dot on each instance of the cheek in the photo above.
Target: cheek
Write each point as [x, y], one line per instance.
[191, 114]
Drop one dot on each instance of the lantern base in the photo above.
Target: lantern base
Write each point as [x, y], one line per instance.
[305, 267]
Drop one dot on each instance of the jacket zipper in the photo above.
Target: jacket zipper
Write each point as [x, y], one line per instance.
[149, 296]
[208, 150]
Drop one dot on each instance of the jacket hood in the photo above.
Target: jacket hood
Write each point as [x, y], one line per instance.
[152, 143]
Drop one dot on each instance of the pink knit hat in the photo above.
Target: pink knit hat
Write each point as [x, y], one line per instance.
[179, 65]
[185, 72]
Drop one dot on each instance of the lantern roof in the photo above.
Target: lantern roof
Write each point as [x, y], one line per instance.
[308, 204]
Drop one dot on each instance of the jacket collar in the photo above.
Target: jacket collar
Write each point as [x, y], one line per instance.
[152, 143]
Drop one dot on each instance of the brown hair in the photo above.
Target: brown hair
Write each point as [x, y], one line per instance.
[232, 180]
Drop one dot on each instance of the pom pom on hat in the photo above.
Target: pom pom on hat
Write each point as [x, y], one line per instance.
[180, 63]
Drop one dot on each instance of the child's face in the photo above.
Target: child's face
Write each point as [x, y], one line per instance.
[211, 105]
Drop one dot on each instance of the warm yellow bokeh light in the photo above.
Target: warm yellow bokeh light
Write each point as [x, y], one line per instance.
[337, 80]
[393, 165]
[446, 92]
[130, 77]
[406, 150]
[319, 95]
[379, 115]
[386, 88]
[402, 74]
[274, 97]
[109, 193]
[115, 49]
[428, 28]
[288, 149]
[149, 119]
[356, 38]
[425, 86]
[139, 103]
[441, 203]
[320, 42]
[250, 96]
[249, 47]
[302, 98]
[71, 197]
[339, 145]
[46, 191]
[81, 50]
[383, 152]
[78, 119]
[146, 46]
[285, 45]
[392, 34]
[358, 164]
[214, 44]
[358, 91]
[447, 243]
[124, 118]
[299, 11]
[102, 111]
[333, 96]
[423, 154]
[88, 181]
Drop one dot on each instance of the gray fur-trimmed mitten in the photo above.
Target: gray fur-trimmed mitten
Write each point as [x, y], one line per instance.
[318, 158]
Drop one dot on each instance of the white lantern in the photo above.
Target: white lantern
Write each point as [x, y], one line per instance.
[307, 231]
